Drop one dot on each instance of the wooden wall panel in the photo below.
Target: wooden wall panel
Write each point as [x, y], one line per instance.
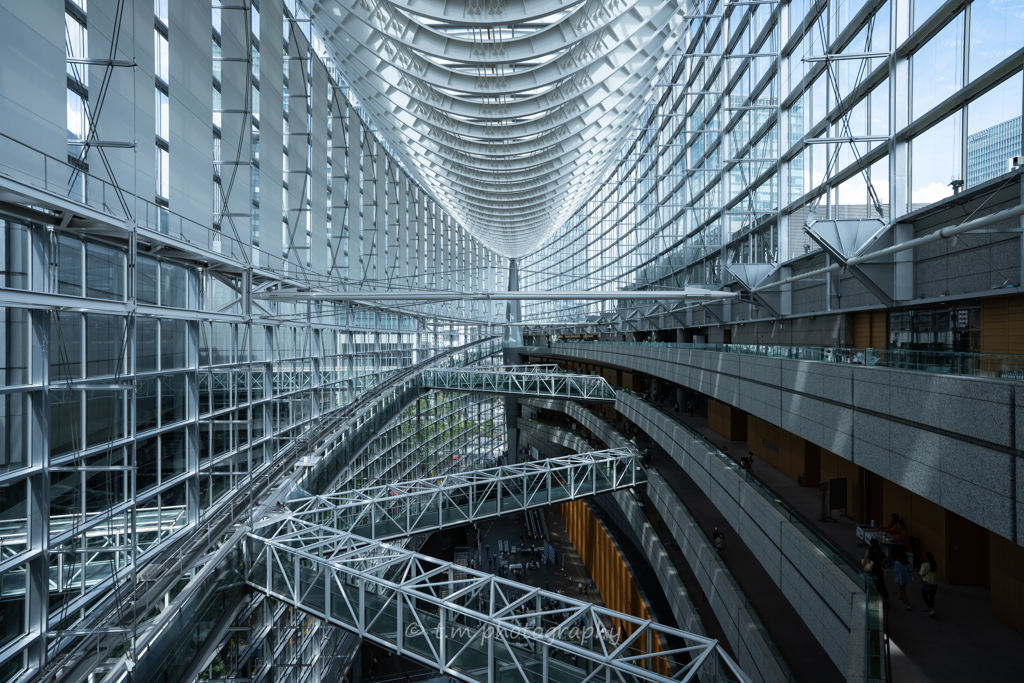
[871, 329]
[1006, 578]
[967, 555]
[728, 421]
[928, 523]
[879, 329]
[896, 499]
[609, 571]
[862, 329]
[1002, 324]
[835, 467]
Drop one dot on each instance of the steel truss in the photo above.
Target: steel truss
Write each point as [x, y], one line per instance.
[466, 623]
[513, 380]
[410, 507]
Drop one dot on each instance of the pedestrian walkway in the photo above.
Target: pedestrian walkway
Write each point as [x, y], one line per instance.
[924, 650]
[804, 655]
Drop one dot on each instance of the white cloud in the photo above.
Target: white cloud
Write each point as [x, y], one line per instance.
[932, 193]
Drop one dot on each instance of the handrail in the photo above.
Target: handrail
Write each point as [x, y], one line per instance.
[874, 654]
[758, 623]
[839, 556]
[1001, 366]
[780, 659]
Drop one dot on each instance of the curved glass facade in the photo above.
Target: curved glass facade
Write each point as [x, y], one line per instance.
[769, 111]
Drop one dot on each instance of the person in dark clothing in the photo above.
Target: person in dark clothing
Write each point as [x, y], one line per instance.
[873, 563]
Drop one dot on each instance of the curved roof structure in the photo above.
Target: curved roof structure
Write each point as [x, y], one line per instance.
[508, 110]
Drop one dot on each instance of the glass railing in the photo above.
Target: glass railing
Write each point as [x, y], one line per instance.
[173, 650]
[992, 365]
[874, 636]
[791, 514]
[780, 660]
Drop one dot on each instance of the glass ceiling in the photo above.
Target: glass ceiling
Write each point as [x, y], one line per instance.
[510, 112]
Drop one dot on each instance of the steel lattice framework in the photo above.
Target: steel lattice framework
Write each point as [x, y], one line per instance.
[520, 382]
[467, 624]
[410, 507]
[511, 111]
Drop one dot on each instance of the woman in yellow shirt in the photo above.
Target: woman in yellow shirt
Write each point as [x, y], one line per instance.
[929, 572]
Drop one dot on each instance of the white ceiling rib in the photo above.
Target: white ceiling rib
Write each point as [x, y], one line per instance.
[509, 111]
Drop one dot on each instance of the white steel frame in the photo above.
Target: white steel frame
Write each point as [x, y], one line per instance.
[406, 508]
[522, 383]
[469, 624]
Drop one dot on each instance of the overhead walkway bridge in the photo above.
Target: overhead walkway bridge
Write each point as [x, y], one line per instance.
[423, 505]
[459, 621]
[545, 381]
[465, 623]
[167, 641]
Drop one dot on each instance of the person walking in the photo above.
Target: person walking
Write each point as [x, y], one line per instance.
[659, 520]
[902, 570]
[720, 544]
[929, 572]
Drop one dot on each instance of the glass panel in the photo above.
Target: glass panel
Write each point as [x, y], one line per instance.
[14, 431]
[105, 489]
[69, 266]
[104, 416]
[15, 342]
[12, 614]
[104, 344]
[993, 132]
[65, 346]
[146, 463]
[936, 162]
[996, 30]
[146, 277]
[146, 404]
[939, 67]
[173, 285]
[173, 344]
[172, 399]
[65, 421]
[14, 241]
[146, 344]
[172, 454]
[104, 272]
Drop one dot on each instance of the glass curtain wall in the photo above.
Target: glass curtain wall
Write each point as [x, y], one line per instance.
[771, 111]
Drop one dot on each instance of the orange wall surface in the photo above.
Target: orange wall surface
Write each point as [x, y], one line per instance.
[1002, 324]
[611, 576]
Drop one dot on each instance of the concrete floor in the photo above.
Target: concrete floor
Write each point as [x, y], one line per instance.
[962, 642]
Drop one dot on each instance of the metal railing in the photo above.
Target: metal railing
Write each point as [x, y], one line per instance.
[874, 652]
[513, 380]
[993, 365]
[405, 508]
[470, 624]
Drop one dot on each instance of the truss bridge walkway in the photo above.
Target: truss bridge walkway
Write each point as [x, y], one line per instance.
[469, 624]
[522, 380]
[406, 508]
